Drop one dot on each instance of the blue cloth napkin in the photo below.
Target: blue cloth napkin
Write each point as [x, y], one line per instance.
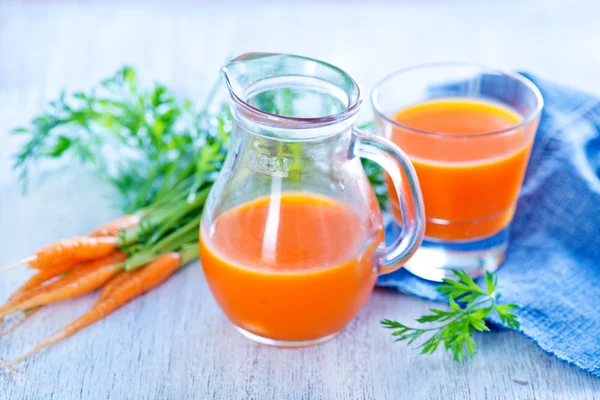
[552, 268]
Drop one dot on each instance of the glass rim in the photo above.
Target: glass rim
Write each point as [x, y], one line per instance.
[511, 74]
[294, 122]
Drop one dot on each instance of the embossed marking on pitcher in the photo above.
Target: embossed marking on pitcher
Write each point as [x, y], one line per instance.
[266, 164]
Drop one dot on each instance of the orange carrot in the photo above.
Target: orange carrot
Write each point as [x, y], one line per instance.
[141, 281]
[84, 279]
[110, 229]
[77, 273]
[42, 276]
[69, 251]
[37, 280]
[78, 249]
[32, 283]
[114, 282]
[113, 228]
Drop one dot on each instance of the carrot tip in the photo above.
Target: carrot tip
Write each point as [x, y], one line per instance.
[12, 371]
[18, 264]
[20, 322]
[24, 356]
[8, 367]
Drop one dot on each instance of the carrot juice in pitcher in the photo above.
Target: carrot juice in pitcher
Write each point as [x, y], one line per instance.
[291, 268]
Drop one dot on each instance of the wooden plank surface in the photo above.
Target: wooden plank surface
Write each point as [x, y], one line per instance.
[174, 343]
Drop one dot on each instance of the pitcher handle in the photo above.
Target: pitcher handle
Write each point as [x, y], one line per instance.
[398, 166]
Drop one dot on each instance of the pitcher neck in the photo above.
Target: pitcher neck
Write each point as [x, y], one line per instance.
[290, 97]
[307, 133]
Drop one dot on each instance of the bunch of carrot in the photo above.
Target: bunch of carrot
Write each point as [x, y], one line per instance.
[77, 266]
[170, 155]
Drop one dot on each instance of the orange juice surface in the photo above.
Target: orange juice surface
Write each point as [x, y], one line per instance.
[470, 180]
[292, 268]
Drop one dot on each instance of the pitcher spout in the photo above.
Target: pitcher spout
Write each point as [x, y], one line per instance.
[243, 70]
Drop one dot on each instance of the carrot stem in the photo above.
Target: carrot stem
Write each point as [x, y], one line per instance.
[172, 242]
[142, 259]
[191, 227]
[161, 217]
[188, 253]
[167, 225]
[173, 197]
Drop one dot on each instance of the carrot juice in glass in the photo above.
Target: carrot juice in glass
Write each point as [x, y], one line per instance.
[468, 130]
[291, 237]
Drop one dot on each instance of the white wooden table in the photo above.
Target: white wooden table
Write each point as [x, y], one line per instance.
[174, 343]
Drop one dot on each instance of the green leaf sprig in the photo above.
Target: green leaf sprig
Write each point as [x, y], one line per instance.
[143, 140]
[470, 306]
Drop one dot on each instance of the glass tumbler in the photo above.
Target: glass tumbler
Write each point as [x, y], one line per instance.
[468, 130]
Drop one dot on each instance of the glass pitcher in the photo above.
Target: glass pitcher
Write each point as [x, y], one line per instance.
[292, 235]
